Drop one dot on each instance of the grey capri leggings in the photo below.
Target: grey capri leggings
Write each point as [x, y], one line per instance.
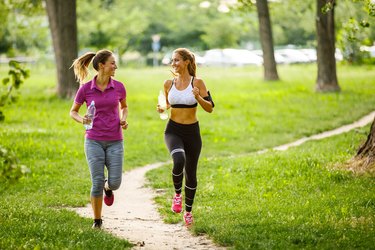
[100, 154]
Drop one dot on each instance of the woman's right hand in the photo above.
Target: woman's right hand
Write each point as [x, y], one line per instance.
[159, 109]
[86, 119]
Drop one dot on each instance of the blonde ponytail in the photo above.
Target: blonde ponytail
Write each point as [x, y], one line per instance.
[80, 66]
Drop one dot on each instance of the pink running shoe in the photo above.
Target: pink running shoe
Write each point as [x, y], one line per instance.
[108, 196]
[177, 203]
[188, 218]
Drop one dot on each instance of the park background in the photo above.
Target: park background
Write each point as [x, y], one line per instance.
[306, 197]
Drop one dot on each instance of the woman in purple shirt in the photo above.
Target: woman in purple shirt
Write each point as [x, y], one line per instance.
[104, 141]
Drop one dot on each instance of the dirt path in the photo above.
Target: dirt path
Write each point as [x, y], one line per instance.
[134, 214]
[346, 128]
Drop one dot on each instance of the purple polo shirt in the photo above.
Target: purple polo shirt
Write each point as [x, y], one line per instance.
[106, 125]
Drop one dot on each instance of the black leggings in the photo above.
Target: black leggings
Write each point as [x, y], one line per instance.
[184, 143]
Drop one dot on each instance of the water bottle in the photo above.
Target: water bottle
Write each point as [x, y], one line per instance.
[90, 114]
[163, 105]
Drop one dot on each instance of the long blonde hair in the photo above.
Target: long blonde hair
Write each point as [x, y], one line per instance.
[81, 64]
[188, 55]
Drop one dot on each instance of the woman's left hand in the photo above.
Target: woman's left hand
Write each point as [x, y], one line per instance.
[195, 92]
[124, 124]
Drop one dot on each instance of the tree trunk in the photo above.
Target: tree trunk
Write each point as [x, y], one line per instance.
[325, 28]
[368, 148]
[265, 32]
[364, 161]
[63, 26]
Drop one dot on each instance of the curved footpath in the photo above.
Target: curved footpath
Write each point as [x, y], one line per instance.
[134, 216]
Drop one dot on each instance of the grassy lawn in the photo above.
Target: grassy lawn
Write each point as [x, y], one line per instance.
[282, 200]
[290, 199]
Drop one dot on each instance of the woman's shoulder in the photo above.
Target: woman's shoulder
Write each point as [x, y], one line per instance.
[198, 81]
[117, 83]
[86, 85]
[168, 83]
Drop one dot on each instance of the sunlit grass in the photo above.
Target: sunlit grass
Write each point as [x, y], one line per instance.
[282, 200]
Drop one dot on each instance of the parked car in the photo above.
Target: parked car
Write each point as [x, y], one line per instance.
[369, 49]
[231, 57]
[338, 55]
[278, 57]
[310, 54]
[293, 55]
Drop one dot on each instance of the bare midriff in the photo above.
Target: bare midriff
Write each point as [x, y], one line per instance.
[184, 115]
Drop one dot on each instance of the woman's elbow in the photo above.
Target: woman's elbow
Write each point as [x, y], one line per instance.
[72, 113]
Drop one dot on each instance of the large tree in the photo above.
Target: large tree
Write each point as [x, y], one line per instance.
[265, 32]
[266, 38]
[63, 25]
[325, 30]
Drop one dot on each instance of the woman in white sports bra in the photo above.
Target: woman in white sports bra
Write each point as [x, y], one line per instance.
[182, 136]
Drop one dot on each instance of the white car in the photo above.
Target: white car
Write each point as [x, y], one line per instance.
[231, 57]
[293, 55]
[370, 50]
[310, 53]
[279, 59]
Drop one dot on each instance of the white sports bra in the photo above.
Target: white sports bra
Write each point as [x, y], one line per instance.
[182, 98]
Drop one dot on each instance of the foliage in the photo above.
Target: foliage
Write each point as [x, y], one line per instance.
[350, 39]
[369, 7]
[18, 33]
[128, 25]
[354, 30]
[10, 168]
[111, 28]
[287, 16]
[221, 33]
[17, 75]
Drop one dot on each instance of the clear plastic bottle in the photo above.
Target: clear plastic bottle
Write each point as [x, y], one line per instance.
[163, 105]
[90, 114]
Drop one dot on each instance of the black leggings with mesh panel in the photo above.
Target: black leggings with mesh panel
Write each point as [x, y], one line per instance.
[184, 144]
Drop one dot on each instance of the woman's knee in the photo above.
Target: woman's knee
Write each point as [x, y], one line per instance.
[191, 183]
[191, 178]
[114, 183]
[97, 187]
[178, 160]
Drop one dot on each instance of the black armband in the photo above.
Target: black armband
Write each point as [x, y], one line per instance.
[209, 98]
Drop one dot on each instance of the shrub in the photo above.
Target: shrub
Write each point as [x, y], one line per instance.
[16, 76]
[10, 168]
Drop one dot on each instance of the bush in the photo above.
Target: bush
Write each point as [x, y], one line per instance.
[16, 76]
[10, 169]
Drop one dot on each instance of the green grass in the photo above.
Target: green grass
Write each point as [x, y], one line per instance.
[277, 200]
[282, 200]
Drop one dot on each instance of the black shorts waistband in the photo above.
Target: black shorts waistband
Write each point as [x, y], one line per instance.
[175, 127]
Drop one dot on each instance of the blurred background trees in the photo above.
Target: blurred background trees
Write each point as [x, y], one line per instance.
[125, 26]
